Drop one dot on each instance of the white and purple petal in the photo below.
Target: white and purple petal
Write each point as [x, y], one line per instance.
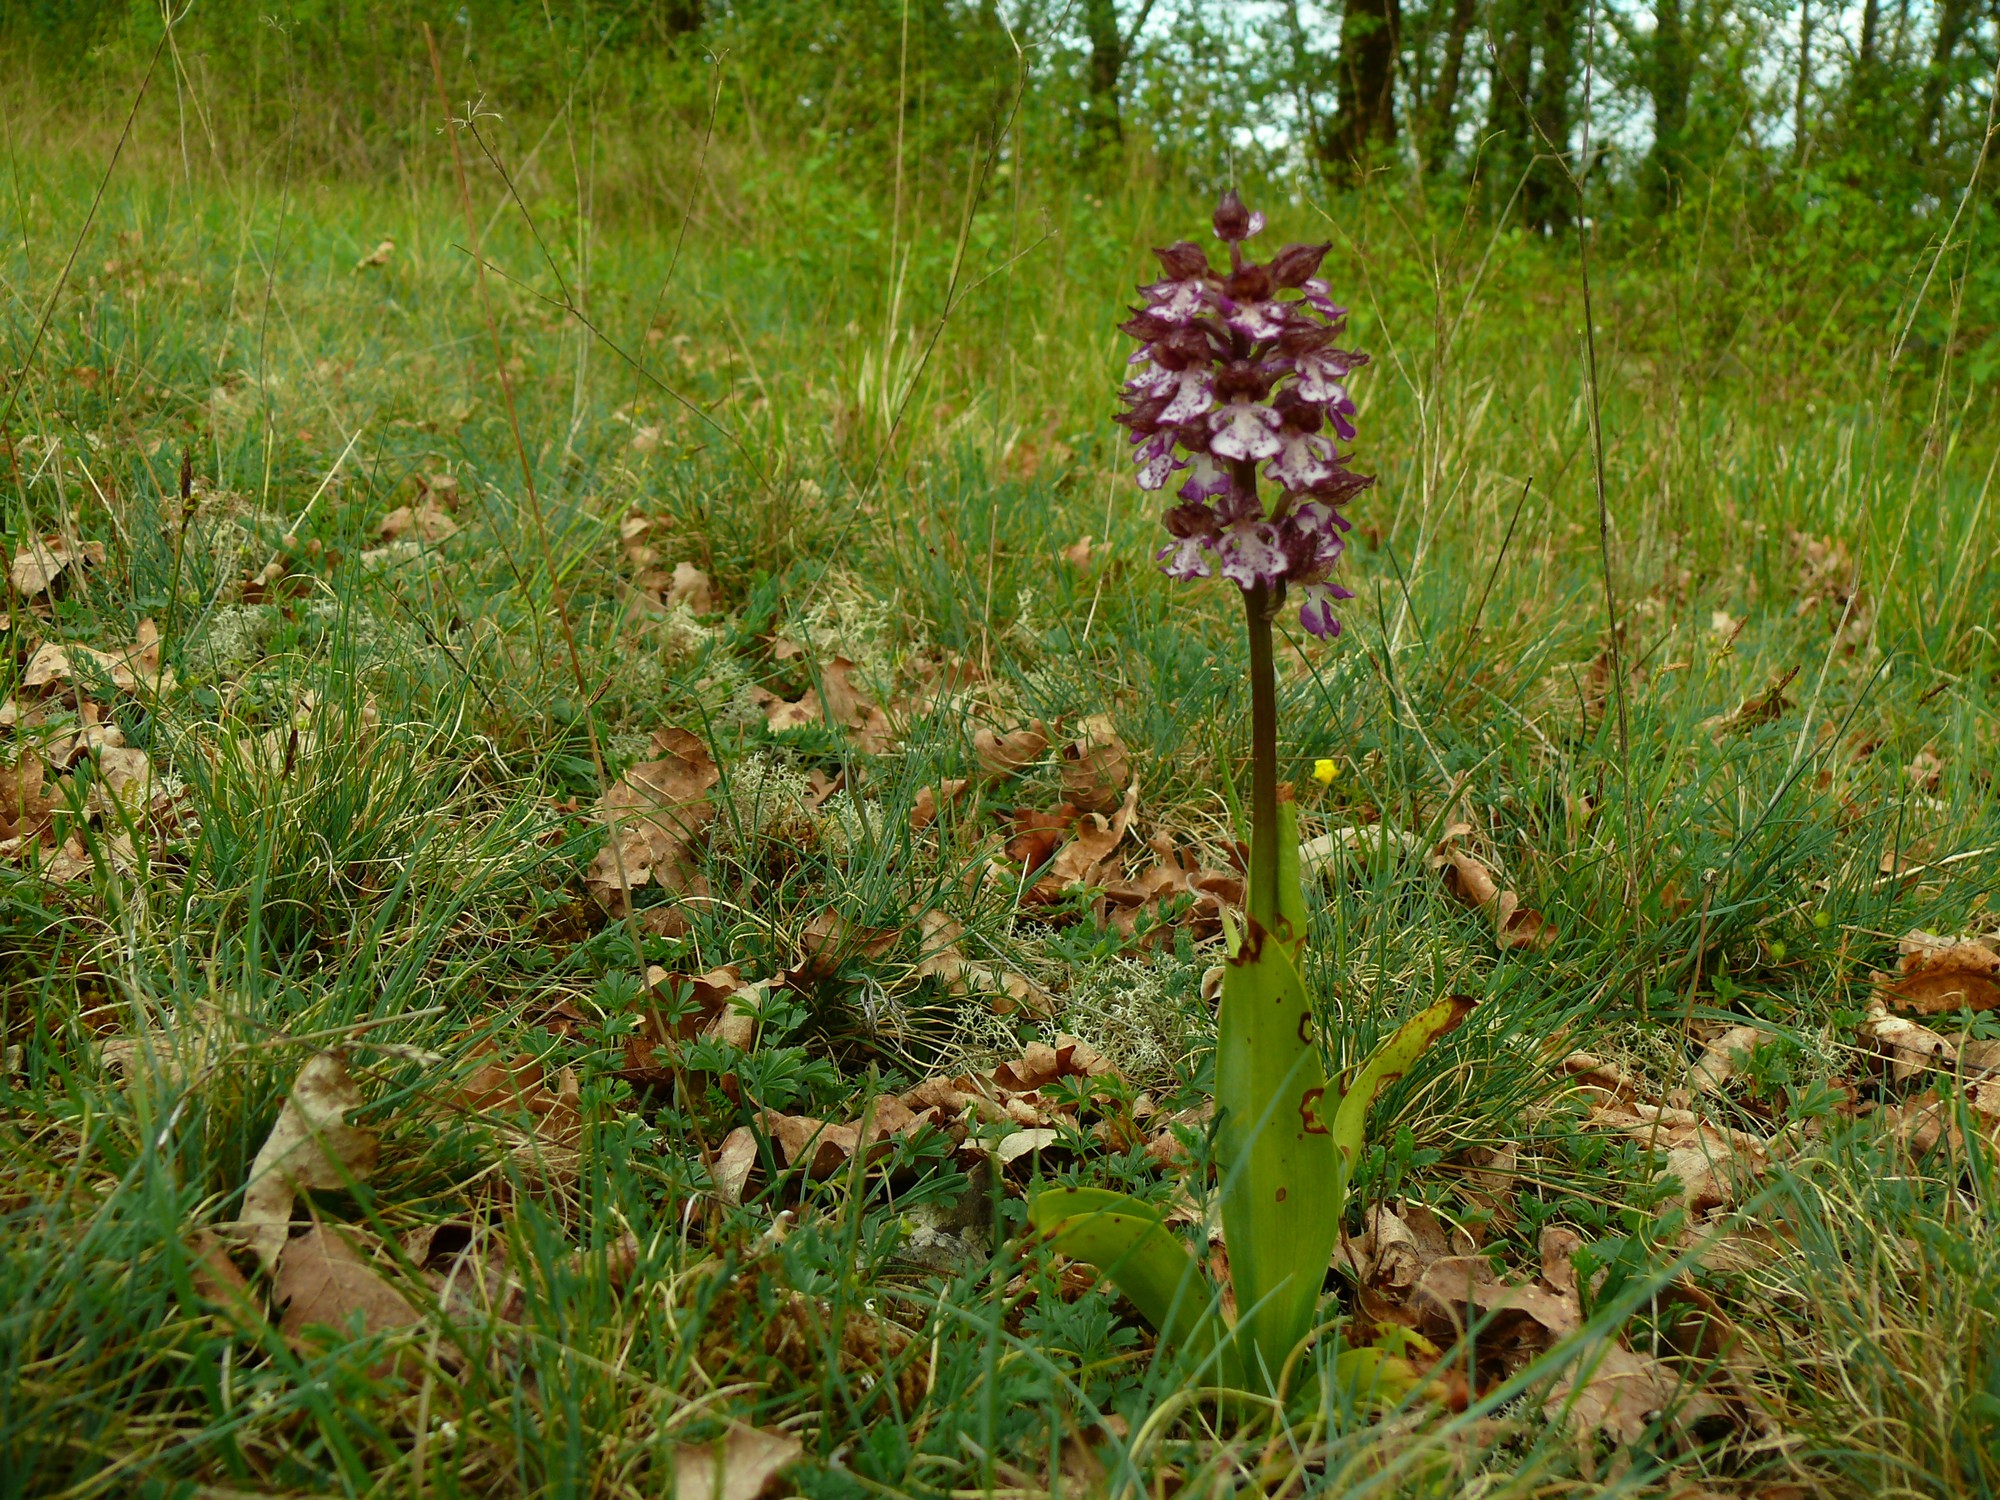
[1245, 429]
[1194, 394]
[1304, 460]
[1206, 478]
[1184, 558]
[1251, 554]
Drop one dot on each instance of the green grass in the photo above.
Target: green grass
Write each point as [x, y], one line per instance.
[372, 833]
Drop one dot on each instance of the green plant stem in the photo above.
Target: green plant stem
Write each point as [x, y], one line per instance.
[1263, 894]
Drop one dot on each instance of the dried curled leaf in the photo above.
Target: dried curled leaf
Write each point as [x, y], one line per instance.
[38, 565]
[1096, 767]
[1934, 975]
[130, 670]
[428, 522]
[690, 586]
[654, 812]
[311, 1145]
[1515, 925]
[323, 1281]
[745, 1463]
[1005, 754]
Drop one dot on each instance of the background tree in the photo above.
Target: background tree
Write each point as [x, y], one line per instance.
[1110, 50]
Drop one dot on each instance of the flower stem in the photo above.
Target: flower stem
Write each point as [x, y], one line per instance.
[1263, 896]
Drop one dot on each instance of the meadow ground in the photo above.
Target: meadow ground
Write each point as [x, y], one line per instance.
[348, 589]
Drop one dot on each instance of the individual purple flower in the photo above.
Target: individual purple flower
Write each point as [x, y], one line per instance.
[1245, 429]
[1252, 555]
[1206, 478]
[1304, 459]
[1316, 608]
[1185, 558]
[1235, 223]
[1193, 394]
[1156, 461]
[1320, 296]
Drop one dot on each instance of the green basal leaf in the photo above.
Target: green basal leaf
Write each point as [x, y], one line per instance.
[1276, 1159]
[1124, 1238]
[1384, 1066]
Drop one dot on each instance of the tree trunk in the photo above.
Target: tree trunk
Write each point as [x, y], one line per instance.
[1369, 39]
[1952, 18]
[1511, 140]
[1669, 79]
[1871, 30]
[1804, 78]
[1440, 132]
[1107, 61]
[1549, 197]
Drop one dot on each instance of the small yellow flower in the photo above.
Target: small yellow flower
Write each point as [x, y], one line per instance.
[1324, 772]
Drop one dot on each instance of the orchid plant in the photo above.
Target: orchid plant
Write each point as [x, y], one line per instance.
[1235, 370]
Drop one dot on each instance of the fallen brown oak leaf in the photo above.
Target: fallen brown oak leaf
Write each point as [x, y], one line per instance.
[691, 587]
[1174, 874]
[709, 1008]
[1515, 926]
[745, 1463]
[1720, 1057]
[135, 668]
[428, 521]
[831, 940]
[502, 1087]
[38, 565]
[1096, 767]
[653, 813]
[311, 1145]
[28, 803]
[1006, 753]
[322, 1280]
[1093, 839]
[1935, 974]
[1009, 1094]
[942, 958]
[930, 800]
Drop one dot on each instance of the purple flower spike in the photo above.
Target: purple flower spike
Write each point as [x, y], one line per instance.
[1235, 370]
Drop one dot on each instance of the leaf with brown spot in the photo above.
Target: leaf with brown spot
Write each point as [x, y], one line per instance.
[311, 1145]
[1006, 754]
[1096, 767]
[745, 1463]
